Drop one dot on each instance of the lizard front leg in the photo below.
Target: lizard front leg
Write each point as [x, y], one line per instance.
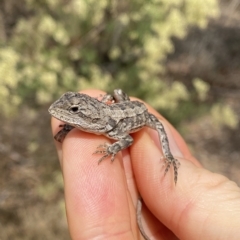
[63, 132]
[125, 141]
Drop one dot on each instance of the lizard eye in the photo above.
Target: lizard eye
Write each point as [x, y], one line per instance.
[74, 109]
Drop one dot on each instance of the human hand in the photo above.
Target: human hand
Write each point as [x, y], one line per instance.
[101, 199]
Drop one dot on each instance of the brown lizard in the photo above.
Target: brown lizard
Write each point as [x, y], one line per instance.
[115, 116]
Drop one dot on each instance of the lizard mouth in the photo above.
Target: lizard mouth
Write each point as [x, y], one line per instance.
[55, 113]
[62, 115]
[52, 111]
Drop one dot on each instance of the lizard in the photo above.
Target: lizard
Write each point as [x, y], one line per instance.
[114, 116]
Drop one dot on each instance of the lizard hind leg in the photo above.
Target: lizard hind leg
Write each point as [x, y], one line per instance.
[117, 97]
[154, 123]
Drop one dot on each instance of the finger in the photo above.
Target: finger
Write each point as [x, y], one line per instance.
[197, 197]
[97, 200]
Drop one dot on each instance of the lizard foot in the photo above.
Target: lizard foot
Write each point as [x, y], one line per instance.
[104, 149]
[63, 132]
[176, 164]
[107, 98]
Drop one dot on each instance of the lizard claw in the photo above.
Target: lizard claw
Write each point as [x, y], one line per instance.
[176, 165]
[103, 157]
[103, 149]
[99, 152]
[103, 146]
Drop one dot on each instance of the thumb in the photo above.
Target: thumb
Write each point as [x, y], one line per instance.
[203, 205]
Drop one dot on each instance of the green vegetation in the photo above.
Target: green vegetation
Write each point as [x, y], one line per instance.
[58, 46]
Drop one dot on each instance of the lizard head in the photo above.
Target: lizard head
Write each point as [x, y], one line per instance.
[76, 109]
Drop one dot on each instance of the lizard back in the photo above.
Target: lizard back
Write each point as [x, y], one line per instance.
[131, 117]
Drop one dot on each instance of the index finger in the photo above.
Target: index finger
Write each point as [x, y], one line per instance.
[97, 198]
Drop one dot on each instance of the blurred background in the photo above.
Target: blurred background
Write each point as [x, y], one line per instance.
[180, 56]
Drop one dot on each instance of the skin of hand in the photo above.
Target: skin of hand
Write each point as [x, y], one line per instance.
[101, 199]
